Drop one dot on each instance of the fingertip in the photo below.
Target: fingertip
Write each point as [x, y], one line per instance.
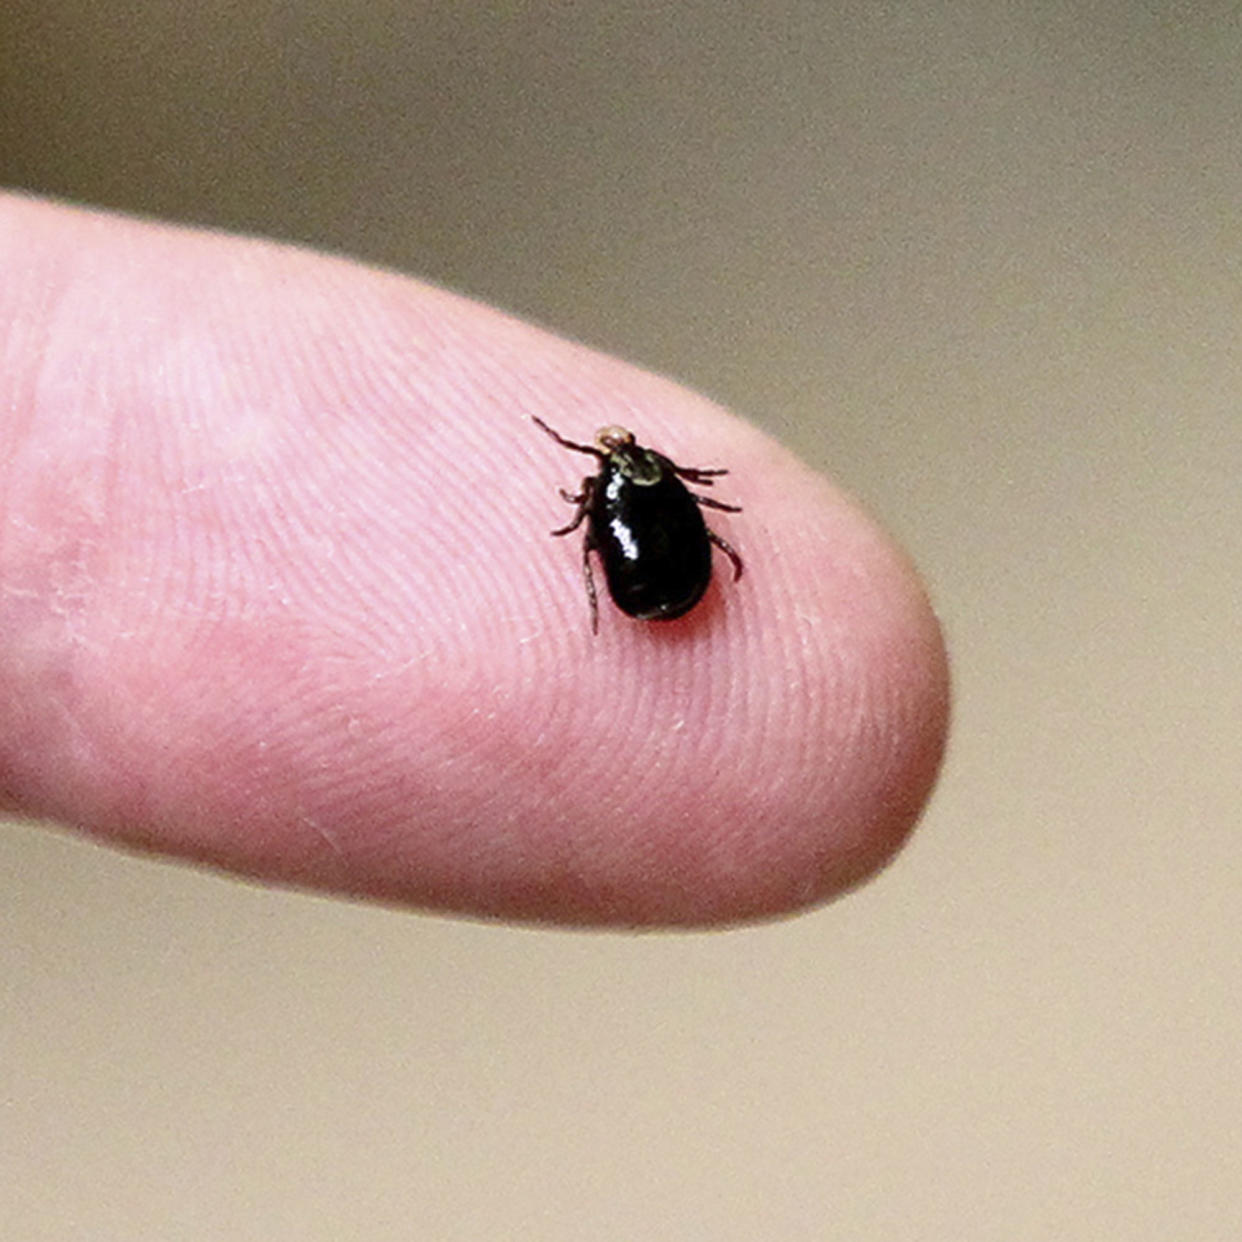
[299, 617]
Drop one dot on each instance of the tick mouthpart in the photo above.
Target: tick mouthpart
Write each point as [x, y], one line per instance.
[609, 439]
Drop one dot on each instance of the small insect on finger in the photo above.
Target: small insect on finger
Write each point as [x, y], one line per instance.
[645, 525]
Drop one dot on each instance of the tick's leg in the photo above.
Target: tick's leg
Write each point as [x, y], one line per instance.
[589, 578]
[716, 504]
[697, 474]
[582, 500]
[729, 552]
[560, 439]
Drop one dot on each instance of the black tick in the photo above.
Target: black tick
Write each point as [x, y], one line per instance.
[646, 526]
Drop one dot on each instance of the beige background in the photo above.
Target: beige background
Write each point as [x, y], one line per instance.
[981, 262]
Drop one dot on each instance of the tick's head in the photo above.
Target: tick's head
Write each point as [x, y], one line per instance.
[625, 458]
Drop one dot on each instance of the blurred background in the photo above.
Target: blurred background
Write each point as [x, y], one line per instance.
[982, 263]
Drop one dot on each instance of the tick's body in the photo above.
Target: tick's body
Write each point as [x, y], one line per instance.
[645, 525]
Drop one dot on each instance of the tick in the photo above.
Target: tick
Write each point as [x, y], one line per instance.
[645, 524]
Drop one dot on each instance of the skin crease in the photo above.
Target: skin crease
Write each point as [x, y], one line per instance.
[277, 594]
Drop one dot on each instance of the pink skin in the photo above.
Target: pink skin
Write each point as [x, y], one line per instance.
[277, 594]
